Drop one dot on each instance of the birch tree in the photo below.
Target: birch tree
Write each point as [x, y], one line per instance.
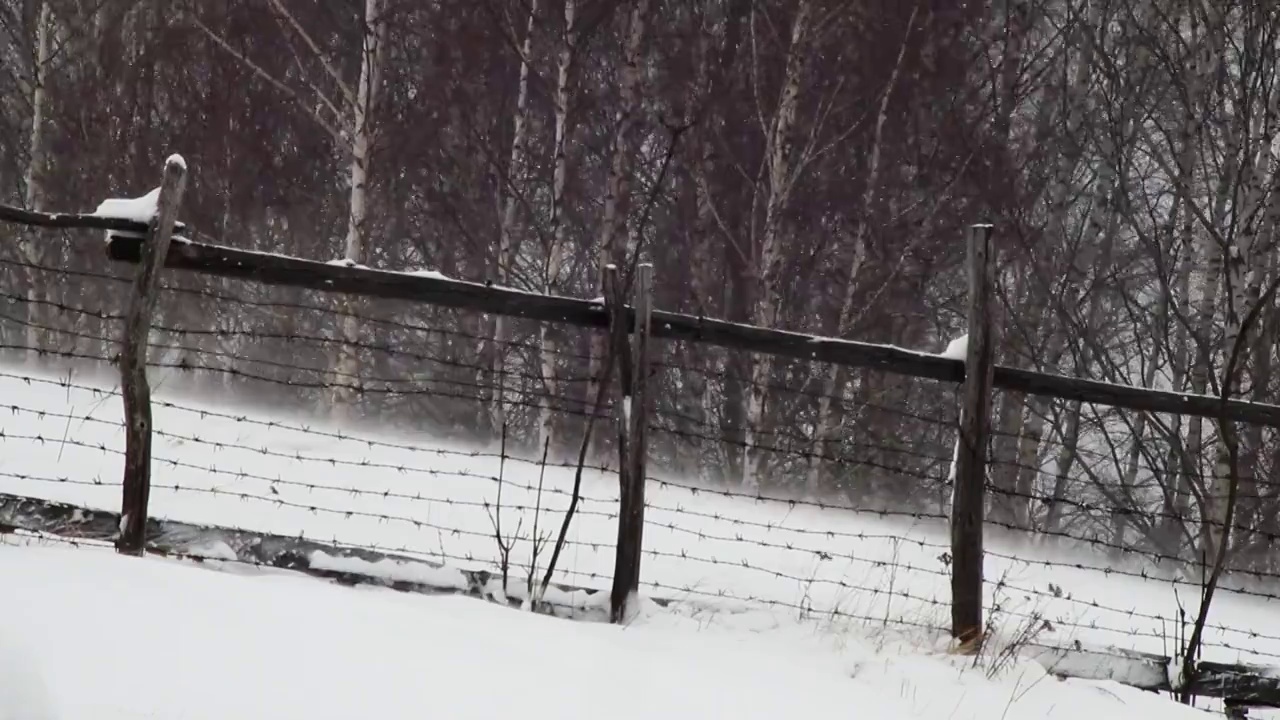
[767, 258]
[833, 386]
[348, 116]
[614, 238]
[508, 234]
[556, 252]
[26, 63]
[355, 247]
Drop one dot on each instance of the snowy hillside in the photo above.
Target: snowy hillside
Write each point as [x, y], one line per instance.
[780, 569]
[116, 638]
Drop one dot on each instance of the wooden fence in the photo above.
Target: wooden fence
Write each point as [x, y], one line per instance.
[630, 328]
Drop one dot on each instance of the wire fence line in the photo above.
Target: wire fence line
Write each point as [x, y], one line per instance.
[850, 525]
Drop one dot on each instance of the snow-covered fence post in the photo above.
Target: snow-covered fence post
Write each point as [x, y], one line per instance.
[971, 461]
[133, 361]
[633, 408]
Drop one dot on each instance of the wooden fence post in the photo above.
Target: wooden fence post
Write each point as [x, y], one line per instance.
[133, 362]
[971, 463]
[633, 424]
[620, 352]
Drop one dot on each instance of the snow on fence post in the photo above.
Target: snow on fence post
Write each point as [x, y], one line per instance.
[133, 361]
[634, 414]
[971, 461]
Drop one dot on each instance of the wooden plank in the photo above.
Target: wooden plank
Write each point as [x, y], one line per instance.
[134, 389]
[75, 221]
[634, 405]
[1236, 684]
[620, 354]
[1246, 685]
[1083, 662]
[283, 271]
[968, 498]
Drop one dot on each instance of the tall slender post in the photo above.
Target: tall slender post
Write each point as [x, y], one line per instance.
[971, 462]
[634, 421]
[620, 351]
[133, 362]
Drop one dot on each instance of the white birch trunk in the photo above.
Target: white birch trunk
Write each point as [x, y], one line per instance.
[833, 382]
[508, 240]
[556, 253]
[28, 243]
[1245, 288]
[355, 246]
[700, 261]
[1208, 253]
[769, 260]
[613, 235]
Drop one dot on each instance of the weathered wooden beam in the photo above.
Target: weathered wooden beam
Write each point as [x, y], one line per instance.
[620, 355]
[633, 423]
[74, 221]
[134, 389]
[280, 270]
[968, 497]
[1248, 685]
[1127, 667]
[277, 270]
[1236, 684]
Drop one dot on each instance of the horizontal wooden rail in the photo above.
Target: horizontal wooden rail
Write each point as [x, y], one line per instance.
[294, 272]
[75, 221]
[285, 271]
[1239, 685]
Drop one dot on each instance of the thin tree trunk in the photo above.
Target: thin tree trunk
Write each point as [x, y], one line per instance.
[29, 241]
[613, 224]
[1028, 457]
[701, 264]
[1248, 498]
[556, 253]
[1066, 459]
[833, 383]
[355, 249]
[508, 240]
[1012, 442]
[1199, 77]
[1173, 507]
[769, 262]
[1256, 195]
[1008, 436]
[1129, 476]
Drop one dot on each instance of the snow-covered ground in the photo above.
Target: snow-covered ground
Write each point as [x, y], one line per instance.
[110, 637]
[797, 570]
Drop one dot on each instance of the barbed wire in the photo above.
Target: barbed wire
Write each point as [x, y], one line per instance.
[1065, 534]
[369, 442]
[527, 399]
[528, 376]
[917, 463]
[339, 309]
[294, 336]
[885, 513]
[384, 348]
[700, 534]
[840, 584]
[363, 379]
